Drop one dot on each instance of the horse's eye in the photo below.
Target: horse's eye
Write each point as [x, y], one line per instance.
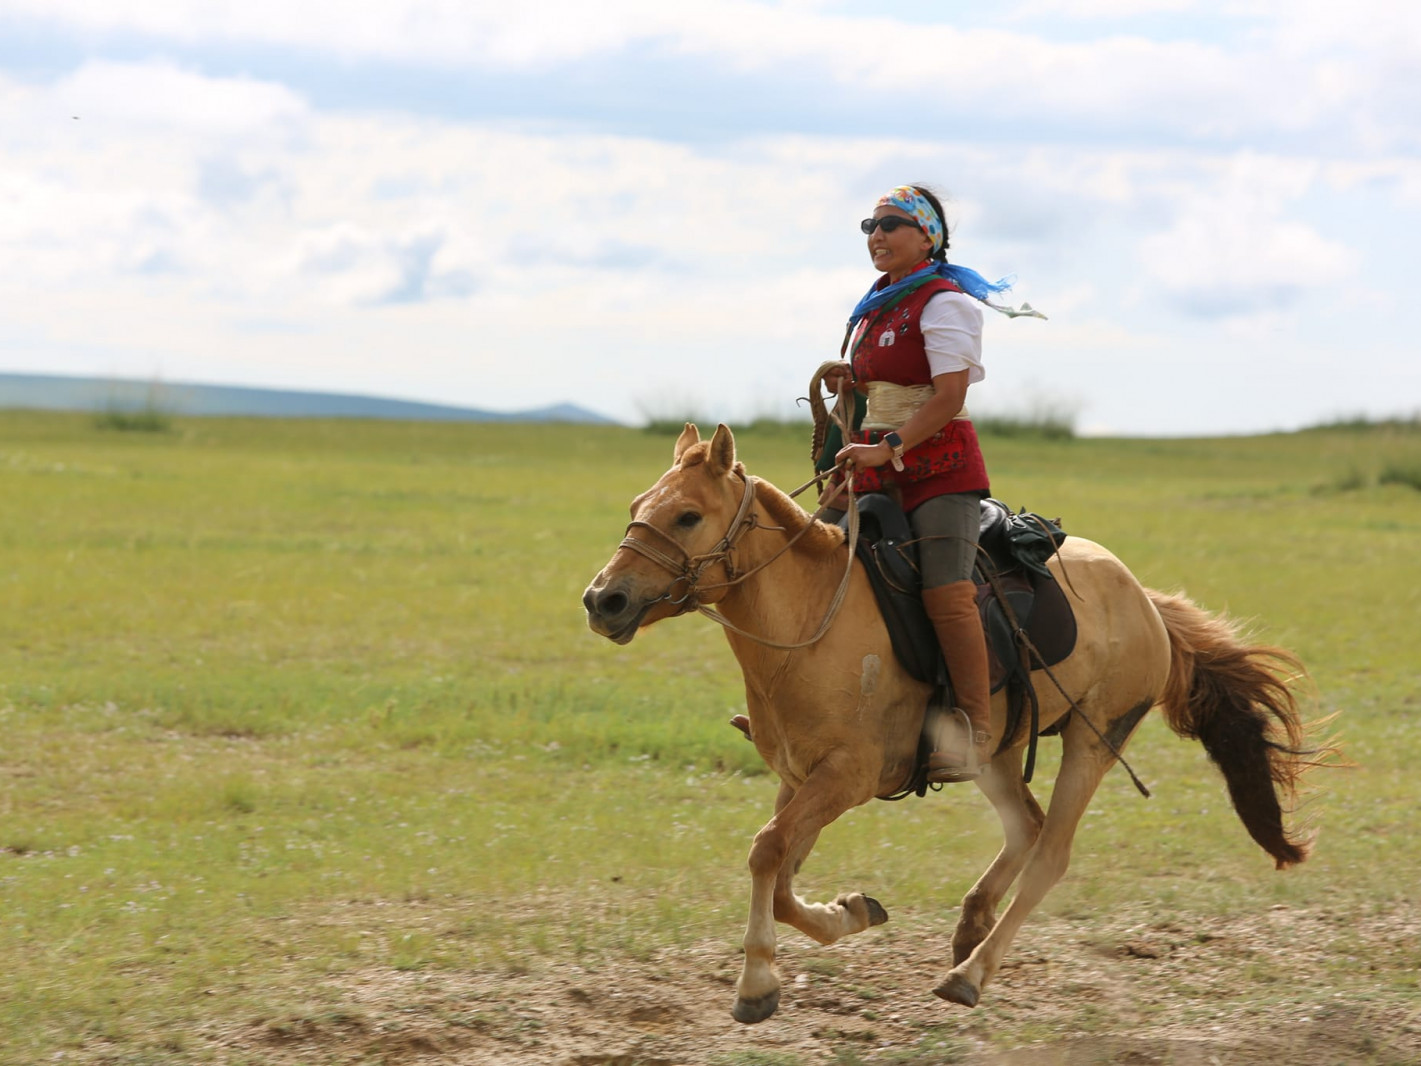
[689, 520]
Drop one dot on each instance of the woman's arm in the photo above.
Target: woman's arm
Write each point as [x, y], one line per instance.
[949, 394]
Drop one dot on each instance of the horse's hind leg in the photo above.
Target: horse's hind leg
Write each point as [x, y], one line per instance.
[782, 843]
[1081, 770]
[1021, 819]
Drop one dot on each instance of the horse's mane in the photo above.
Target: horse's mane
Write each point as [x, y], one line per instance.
[783, 511]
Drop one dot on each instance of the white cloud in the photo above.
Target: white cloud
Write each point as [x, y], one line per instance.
[1399, 174]
[102, 170]
[432, 30]
[1287, 68]
[1232, 250]
[225, 229]
[140, 97]
[1102, 9]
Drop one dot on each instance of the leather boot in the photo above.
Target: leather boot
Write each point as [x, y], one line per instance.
[962, 740]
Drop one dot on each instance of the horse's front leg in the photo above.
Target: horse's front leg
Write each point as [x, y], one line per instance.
[783, 843]
[851, 912]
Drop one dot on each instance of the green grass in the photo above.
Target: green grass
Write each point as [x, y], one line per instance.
[282, 700]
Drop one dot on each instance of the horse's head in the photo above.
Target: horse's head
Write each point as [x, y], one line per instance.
[678, 540]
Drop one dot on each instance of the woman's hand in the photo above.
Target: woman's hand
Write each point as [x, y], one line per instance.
[838, 379]
[865, 455]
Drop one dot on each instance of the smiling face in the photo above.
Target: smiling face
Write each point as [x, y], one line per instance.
[897, 253]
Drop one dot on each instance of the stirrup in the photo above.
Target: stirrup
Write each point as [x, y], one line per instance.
[950, 767]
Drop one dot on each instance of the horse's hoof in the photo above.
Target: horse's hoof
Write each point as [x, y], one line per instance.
[750, 1011]
[876, 914]
[957, 989]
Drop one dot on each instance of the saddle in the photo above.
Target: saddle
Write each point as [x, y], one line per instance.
[1026, 617]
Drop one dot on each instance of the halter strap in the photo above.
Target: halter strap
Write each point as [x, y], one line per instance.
[690, 567]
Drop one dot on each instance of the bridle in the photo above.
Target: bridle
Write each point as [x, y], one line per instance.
[689, 568]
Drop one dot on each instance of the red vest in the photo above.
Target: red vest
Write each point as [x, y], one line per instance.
[888, 346]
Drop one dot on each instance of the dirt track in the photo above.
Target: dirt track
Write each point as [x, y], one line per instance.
[1248, 990]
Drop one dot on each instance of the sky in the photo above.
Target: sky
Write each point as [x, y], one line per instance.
[651, 209]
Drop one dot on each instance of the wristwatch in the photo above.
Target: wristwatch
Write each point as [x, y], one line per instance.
[896, 443]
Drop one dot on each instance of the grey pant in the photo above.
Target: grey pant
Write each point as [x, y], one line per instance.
[945, 528]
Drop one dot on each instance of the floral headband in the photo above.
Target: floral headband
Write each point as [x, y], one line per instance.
[909, 200]
[906, 198]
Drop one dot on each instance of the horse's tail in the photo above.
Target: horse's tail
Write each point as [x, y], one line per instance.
[1235, 698]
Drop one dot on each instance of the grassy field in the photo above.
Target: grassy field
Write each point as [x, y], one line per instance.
[287, 702]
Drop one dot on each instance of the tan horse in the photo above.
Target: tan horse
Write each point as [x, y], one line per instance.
[838, 720]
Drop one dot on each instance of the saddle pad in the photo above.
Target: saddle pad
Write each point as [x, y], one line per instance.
[914, 642]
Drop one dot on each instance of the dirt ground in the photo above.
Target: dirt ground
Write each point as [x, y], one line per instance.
[1245, 990]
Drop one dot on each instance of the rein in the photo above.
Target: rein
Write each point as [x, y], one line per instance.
[834, 604]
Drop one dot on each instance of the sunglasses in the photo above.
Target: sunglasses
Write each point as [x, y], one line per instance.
[888, 224]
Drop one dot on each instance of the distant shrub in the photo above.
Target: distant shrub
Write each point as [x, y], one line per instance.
[146, 421]
[1037, 415]
[1349, 480]
[668, 427]
[667, 412]
[766, 426]
[1360, 423]
[130, 411]
[1046, 426]
[762, 426]
[1401, 474]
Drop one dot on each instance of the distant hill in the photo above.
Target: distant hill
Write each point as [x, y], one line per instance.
[59, 393]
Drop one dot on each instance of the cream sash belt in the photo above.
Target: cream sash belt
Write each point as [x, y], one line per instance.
[890, 405]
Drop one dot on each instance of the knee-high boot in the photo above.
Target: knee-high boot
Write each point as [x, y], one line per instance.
[963, 747]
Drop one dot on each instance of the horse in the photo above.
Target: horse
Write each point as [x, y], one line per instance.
[838, 719]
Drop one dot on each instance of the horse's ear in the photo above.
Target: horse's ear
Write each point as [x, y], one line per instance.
[722, 450]
[690, 435]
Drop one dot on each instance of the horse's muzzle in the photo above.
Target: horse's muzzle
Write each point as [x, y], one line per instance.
[612, 612]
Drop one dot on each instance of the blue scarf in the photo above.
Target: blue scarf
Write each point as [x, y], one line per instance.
[965, 278]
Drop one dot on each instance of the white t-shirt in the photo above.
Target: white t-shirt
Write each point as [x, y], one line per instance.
[952, 334]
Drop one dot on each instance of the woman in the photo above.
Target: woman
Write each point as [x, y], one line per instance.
[915, 345]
